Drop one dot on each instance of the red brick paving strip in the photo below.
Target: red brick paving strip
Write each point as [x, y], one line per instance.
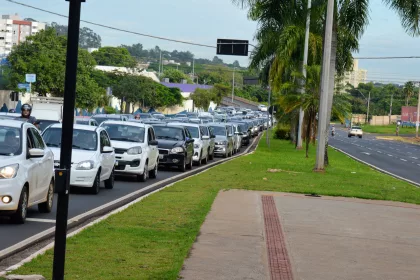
[278, 259]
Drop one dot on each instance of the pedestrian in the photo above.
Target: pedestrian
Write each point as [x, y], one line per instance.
[26, 111]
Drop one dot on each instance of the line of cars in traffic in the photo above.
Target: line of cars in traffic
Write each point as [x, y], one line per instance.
[108, 145]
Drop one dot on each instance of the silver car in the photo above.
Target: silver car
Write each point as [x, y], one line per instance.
[224, 140]
[237, 136]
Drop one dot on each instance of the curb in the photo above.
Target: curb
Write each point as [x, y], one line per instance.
[106, 210]
[377, 168]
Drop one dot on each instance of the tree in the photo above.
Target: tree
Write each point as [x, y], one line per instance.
[202, 98]
[114, 56]
[175, 76]
[408, 92]
[87, 37]
[219, 91]
[135, 50]
[217, 60]
[44, 54]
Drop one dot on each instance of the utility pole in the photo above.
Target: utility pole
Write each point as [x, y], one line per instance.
[390, 108]
[418, 112]
[323, 103]
[233, 83]
[160, 63]
[194, 71]
[367, 115]
[62, 175]
[268, 117]
[305, 62]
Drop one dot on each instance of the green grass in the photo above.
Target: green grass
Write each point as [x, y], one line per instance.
[151, 239]
[388, 129]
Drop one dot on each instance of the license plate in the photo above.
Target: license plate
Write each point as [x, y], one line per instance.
[160, 156]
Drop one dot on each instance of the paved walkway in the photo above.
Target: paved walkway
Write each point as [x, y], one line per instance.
[326, 238]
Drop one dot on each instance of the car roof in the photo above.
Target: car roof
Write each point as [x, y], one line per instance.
[130, 123]
[77, 126]
[169, 125]
[218, 124]
[107, 116]
[11, 123]
[186, 124]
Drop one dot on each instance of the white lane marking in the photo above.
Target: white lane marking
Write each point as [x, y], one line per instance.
[403, 159]
[41, 220]
[418, 164]
[379, 152]
[414, 157]
[369, 149]
[366, 153]
[389, 155]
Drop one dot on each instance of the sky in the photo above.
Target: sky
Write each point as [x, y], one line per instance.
[204, 21]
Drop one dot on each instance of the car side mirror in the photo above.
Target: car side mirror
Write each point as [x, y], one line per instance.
[213, 136]
[230, 135]
[153, 143]
[107, 150]
[36, 153]
[190, 140]
[205, 137]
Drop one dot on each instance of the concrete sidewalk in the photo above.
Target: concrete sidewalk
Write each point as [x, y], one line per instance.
[326, 238]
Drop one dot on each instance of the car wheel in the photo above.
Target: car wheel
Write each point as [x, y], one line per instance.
[199, 159]
[360, 137]
[190, 165]
[154, 172]
[46, 206]
[211, 157]
[206, 160]
[19, 216]
[96, 184]
[109, 184]
[226, 155]
[143, 177]
[183, 167]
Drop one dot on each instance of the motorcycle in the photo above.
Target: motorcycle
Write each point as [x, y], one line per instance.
[332, 133]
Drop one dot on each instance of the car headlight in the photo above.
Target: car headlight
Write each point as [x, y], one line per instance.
[222, 143]
[134, 151]
[9, 172]
[85, 165]
[177, 150]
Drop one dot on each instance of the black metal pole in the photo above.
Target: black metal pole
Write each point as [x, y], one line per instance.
[63, 175]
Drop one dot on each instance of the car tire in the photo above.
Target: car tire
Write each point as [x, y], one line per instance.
[349, 136]
[183, 167]
[211, 157]
[19, 216]
[199, 161]
[47, 206]
[143, 177]
[109, 184]
[154, 172]
[206, 160]
[226, 155]
[96, 184]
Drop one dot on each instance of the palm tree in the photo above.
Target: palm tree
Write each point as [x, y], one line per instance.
[408, 91]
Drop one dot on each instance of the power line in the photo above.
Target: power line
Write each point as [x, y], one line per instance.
[387, 57]
[114, 28]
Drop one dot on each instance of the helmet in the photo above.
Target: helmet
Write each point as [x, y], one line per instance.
[26, 106]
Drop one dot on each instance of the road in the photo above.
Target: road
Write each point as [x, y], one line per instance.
[14, 235]
[399, 158]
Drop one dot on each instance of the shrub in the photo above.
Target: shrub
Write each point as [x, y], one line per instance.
[109, 110]
[282, 131]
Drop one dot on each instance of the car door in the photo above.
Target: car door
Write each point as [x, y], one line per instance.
[206, 143]
[46, 163]
[35, 170]
[107, 159]
[190, 146]
[153, 149]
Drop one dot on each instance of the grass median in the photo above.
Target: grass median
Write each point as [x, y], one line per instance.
[388, 129]
[151, 239]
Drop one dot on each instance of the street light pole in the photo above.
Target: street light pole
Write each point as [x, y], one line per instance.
[268, 117]
[367, 115]
[418, 113]
[62, 175]
[233, 84]
[390, 108]
[323, 103]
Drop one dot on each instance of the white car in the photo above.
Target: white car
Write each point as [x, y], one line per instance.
[201, 142]
[93, 158]
[355, 131]
[26, 170]
[262, 108]
[135, 148]
[237, 136]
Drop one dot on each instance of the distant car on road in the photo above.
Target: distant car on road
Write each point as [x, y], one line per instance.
[26, 172]
[355, 131]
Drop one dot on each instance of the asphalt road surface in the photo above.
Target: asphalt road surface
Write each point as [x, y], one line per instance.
[11, 234]
[399, 158]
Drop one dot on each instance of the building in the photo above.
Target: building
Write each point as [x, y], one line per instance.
[356, 76]
[14, 30]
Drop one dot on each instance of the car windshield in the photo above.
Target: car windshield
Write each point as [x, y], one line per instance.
[195, 121]
[204, 131]
[43, 124]
[144, 116]
[102, 119]
[169, 133]
[82, 139]
[82, 122]
[10, 141]
[230, 131]
[192, 115]
[356, 127]
[243, 127]
[125, 133]
[218, 130]
[193, 131]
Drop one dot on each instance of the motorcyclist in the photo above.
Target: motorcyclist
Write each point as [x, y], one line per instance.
[26, 111]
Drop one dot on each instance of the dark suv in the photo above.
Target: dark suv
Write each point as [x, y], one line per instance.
[176, 146]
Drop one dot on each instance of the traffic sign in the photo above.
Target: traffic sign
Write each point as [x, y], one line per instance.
[30, 78]
[232, 47]
[25, 86]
